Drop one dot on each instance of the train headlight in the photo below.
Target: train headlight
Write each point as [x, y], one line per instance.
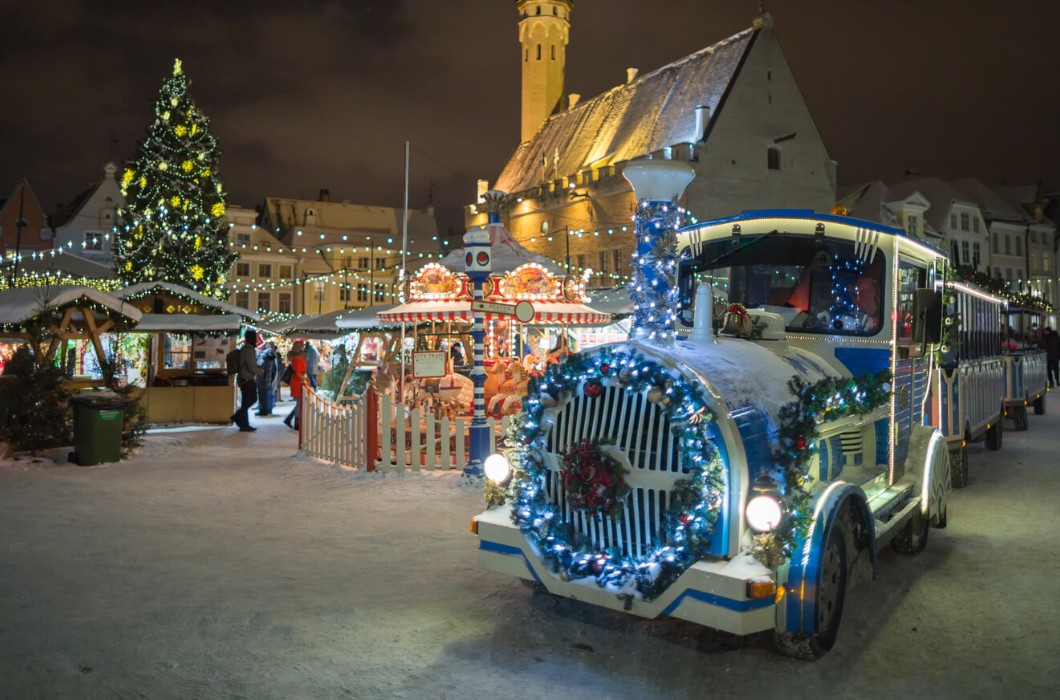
[497, 469]
[765, 510]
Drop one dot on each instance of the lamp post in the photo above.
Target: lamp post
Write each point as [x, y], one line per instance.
[657, 185]
[478, 262]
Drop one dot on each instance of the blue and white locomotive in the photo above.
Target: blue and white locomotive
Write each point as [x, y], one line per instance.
[742, 474]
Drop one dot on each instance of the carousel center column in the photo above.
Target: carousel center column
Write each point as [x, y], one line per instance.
[478, 262]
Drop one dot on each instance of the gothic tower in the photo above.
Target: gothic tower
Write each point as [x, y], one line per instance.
[544, 29]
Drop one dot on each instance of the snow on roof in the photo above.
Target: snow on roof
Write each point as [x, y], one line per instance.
[630, 121]
[614, 300]
[507, 254]
[941, 195]
[64, 263]
[188, 323]
[176, 290]
[333, 324]
[991, 204]
[26, 303]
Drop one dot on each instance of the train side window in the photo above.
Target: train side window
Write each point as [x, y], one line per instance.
[910, 278]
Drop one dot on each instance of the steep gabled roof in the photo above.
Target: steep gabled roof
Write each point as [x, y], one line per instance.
[630, 121]
[992, 206]
[940, 193]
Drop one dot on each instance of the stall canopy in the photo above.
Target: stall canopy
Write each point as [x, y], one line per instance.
[63, 313]
[613, 300]
[333, 324]
[170, 307]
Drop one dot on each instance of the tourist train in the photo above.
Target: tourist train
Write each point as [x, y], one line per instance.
[745, 473]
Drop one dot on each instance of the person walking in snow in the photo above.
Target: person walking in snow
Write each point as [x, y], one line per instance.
[296, 358]
[1051, 344]
[267, 379]
[312, 358]
[248, 373]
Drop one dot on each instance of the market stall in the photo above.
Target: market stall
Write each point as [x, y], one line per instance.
[177, 352]
[60, 318]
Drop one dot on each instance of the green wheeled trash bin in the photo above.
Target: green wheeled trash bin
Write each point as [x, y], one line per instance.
[98, 421]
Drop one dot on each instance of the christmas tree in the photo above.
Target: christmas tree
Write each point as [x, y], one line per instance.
[172, 227]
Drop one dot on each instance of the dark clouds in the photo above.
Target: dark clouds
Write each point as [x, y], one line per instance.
[311, 95]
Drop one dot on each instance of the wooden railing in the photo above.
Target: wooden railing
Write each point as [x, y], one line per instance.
[375, 433]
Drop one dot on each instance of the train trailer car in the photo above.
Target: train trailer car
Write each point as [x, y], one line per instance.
[968, 386]
[1026, 381]
[744, 474]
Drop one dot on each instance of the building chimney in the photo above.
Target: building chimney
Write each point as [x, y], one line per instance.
[325, 196]
[702, 115]
[631, 74]
[572, 99]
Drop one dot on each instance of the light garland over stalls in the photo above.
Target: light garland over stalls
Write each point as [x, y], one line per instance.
[688, 523]
[172, 227]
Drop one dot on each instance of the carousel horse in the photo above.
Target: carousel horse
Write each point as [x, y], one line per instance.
[508, 399]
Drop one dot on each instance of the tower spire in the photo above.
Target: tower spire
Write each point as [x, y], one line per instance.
[544, 31]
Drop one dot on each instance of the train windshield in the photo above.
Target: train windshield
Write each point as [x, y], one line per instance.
[817, 285]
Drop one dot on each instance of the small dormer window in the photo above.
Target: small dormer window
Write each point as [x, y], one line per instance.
[773, 158]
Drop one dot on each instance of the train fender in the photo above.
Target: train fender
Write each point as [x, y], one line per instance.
[928, 454]
[797, 612]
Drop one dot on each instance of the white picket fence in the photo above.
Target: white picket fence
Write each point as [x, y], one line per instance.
[402, 438]
[335, 432]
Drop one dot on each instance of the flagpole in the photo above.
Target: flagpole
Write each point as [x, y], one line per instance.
[404, 271]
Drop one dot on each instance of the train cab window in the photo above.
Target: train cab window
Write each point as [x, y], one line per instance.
[815, 286]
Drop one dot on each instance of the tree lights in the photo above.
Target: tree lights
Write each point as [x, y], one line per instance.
[172, 228]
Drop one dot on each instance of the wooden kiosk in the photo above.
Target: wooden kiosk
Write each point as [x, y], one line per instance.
[55, 315]
[188, 335]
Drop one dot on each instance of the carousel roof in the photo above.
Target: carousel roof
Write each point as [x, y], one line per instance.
[26, 303]
[507, 254]
[545, 313]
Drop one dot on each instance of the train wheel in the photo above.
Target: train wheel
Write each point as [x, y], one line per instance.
[959, 466]
[1039, 405]
[995, 435]
[831, 596]
[913, 538]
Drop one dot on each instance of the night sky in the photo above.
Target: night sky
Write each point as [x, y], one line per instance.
[309, 95]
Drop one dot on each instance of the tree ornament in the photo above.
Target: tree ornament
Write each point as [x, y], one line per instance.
[656, 395]
[605, 369]
[594, 389]
[800, 443]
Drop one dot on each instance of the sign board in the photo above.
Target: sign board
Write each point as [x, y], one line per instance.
[523, 311]
[428, 364]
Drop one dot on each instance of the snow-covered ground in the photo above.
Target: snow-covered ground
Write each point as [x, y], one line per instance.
[219, 564]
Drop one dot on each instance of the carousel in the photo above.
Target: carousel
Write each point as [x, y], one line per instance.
[439, 301]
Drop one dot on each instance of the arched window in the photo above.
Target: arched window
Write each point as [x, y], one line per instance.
[539, 52]
[553, 52]
[526, 56]
[773, 158]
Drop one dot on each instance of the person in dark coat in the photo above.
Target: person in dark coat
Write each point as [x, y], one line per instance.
[1051, 344]
[266, 381]
[248, 372]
